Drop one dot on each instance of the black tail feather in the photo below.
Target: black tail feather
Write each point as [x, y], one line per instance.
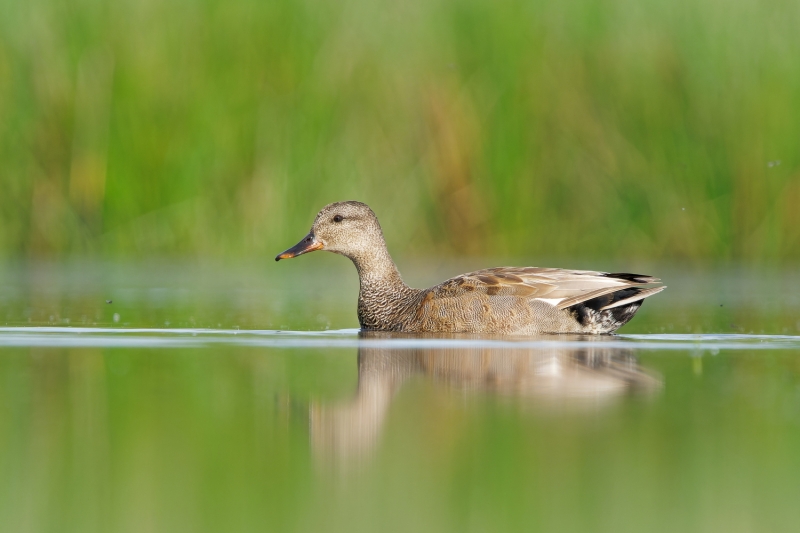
[634, 278]
[608, 320]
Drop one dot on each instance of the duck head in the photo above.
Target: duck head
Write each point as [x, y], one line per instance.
[345, 228]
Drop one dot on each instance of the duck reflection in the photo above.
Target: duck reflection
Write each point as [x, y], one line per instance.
[565, 373]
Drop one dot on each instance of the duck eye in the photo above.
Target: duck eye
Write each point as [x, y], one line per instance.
[338, 218]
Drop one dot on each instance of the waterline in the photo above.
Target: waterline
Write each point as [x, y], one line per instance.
[349, 338]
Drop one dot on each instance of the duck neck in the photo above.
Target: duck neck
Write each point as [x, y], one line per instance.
[383, 295]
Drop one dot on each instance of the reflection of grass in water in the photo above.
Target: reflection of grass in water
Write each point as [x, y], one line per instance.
[610, 129]
[207, 440]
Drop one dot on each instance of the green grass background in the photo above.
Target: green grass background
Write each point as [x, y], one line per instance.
[644, 129]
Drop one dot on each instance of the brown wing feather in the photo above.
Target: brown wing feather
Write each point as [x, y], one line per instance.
[494, 283]
[562, 288]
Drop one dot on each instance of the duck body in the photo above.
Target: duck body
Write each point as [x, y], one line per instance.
[508, 301]
[504, 300]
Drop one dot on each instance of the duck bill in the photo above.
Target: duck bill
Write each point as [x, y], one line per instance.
[308, 244]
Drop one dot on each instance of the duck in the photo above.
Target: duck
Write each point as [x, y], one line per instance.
[518, 301]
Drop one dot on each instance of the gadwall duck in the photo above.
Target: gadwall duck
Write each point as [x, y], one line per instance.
[505, 300]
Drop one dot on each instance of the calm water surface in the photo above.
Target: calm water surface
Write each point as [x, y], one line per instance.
[191, 402]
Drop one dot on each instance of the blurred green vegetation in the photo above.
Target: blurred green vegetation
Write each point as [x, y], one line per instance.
[600, 129]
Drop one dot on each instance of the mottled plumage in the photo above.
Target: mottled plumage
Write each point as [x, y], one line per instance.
[505, 300]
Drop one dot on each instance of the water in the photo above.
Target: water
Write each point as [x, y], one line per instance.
[228, 419]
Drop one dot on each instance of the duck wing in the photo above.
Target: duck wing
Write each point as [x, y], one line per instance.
[558, 287]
